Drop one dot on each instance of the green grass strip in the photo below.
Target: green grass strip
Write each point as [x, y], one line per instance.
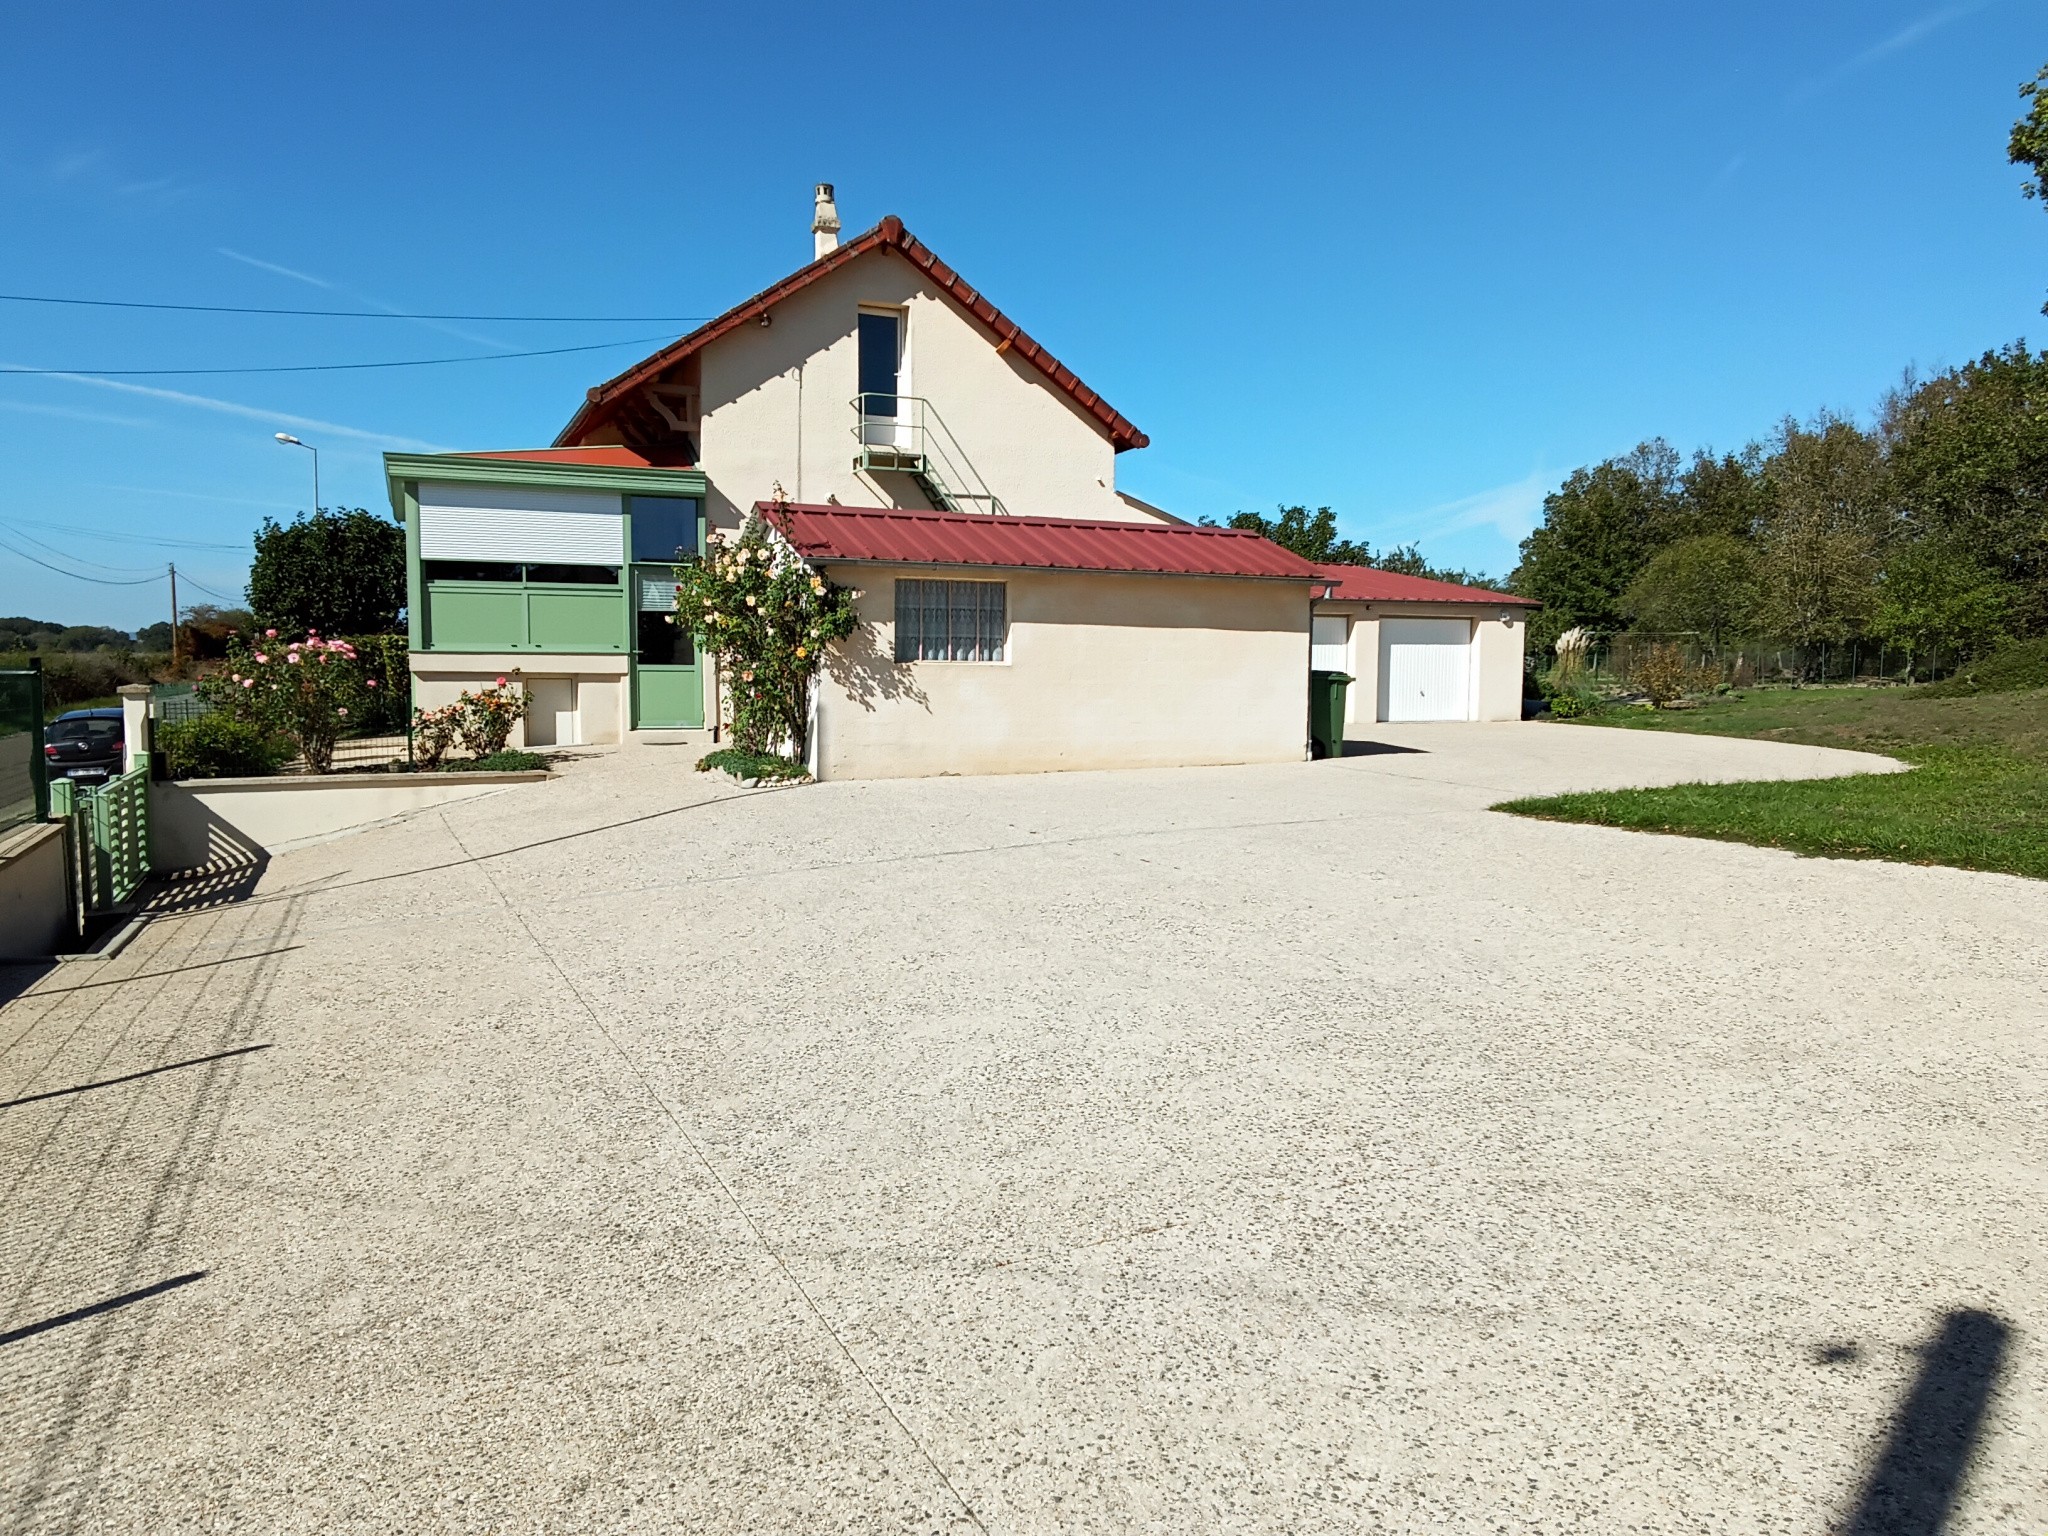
[1976, 807]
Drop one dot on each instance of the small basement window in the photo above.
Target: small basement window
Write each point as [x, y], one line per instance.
[951, 620]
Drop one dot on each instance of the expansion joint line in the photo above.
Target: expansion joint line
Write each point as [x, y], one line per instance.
[704, 1160]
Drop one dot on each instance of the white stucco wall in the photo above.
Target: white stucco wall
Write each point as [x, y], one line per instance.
[1102, 671]
[440, 677]
[777, 406]
[221, 823]
[1497, 655]
[35, 914]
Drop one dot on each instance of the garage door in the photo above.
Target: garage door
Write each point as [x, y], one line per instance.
[1425, 669]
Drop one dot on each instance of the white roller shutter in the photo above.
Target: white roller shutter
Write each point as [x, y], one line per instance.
[1425, 669]
[515, 523]
[1327, 633]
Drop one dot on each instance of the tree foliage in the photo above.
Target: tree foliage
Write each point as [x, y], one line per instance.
[1705, 585]
[1820, 547]
[1311, 535]
[337, 572]
[1969, 466]
[1599, 530]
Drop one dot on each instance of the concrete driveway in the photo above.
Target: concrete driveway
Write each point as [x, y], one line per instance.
[1274, 1149]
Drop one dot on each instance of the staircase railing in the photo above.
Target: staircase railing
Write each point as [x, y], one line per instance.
[903, 433]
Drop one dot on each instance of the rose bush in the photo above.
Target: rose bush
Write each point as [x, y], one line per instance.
[480, 722]
[767, 617]
[304, 690]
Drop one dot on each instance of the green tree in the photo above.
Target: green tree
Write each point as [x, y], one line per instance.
[1969, 464]
[1599, 530]
[1311, 535]
[335, 572]
[2029, 143]
[1828, 520]
[1705, 586]
[1725, 494]
[1937, 594]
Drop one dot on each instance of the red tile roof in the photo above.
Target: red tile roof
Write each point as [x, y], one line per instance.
[1368, 584]
[614, 455]
[889, 536]
[889, 235]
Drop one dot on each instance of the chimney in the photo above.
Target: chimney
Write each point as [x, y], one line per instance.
[825, 225]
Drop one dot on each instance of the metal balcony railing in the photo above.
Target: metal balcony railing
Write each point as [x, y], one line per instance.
[903, 434]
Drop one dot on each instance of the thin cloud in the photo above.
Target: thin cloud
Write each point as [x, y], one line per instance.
[361, 298]
[252, 413]
[164, 490]
[1510, 510]
[66, 413]
[271, 266]
[92, 172]
[1908, 36]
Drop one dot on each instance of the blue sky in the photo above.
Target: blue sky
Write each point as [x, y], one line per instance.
[1412, 262]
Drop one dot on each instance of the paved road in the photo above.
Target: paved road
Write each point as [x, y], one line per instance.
[1281, 1149]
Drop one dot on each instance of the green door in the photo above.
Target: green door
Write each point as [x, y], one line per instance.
[668, 684]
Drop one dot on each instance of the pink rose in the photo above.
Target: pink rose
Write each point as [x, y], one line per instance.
[370, 682]
[270, 634]
[343, 710]
[293, 658]
[261, 659]
[248, 682]
[501, 682]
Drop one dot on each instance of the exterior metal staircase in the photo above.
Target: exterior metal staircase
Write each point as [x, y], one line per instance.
[904, 435]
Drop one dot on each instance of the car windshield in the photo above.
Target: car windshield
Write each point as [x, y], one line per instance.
[99, 733]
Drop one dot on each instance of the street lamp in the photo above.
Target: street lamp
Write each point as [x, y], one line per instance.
[290, 441]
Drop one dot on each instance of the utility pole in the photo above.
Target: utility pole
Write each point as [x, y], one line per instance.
[173, 565]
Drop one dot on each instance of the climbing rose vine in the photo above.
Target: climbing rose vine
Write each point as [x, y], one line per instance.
[767, 617]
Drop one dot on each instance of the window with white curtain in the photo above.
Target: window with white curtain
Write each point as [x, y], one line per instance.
[951, 620]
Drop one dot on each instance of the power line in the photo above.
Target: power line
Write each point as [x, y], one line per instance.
[121, 538]
[104, 581]
[209, 591]
[358, 314]
[44, 544]
[413, 362]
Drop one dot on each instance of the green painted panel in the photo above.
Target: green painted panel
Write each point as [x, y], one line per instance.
[476, 618]
[577, 619]
[668, 698]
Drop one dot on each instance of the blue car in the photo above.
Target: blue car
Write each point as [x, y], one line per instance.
[84, 744]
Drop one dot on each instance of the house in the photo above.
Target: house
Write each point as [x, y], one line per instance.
[1418, 649]
[917, 444]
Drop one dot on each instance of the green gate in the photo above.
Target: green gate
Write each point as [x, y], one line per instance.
[110, 831]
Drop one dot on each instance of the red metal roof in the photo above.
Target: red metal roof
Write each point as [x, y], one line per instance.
[889, 235]
[1368, 584]
[889, 536]
[614, 455]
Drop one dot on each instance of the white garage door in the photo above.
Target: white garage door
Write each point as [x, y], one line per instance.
[1425, 669]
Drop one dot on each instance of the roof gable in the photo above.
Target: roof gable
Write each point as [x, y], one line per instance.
[601, 403]
[889, 536]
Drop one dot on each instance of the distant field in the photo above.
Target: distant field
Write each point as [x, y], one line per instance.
[1977, 797]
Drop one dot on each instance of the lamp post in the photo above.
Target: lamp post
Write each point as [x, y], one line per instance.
[290, 441]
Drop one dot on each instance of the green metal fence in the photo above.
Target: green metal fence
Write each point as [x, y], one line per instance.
[109, 838]
[24, 791]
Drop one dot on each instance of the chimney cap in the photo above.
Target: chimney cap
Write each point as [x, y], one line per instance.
[825, 222]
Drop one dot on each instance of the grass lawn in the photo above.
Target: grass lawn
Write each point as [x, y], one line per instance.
[1976, 798]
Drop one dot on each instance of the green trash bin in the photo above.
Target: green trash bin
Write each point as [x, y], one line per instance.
[1326, 712]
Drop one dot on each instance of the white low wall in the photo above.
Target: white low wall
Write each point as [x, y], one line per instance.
[34, 911]
[216, 823]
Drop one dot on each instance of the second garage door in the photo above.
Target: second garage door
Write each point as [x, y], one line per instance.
[1425, 669]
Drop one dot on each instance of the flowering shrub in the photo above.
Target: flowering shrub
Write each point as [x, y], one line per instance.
[488, 715]
[767, 617]
[303, 690]
[481, 722]
[433, 734]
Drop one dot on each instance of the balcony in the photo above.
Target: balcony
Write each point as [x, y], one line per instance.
[902, 434]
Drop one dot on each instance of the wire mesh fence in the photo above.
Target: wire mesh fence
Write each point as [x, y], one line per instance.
[1765, 663]
[22, 791]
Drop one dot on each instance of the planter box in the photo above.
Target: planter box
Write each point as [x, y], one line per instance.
[218, 823]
